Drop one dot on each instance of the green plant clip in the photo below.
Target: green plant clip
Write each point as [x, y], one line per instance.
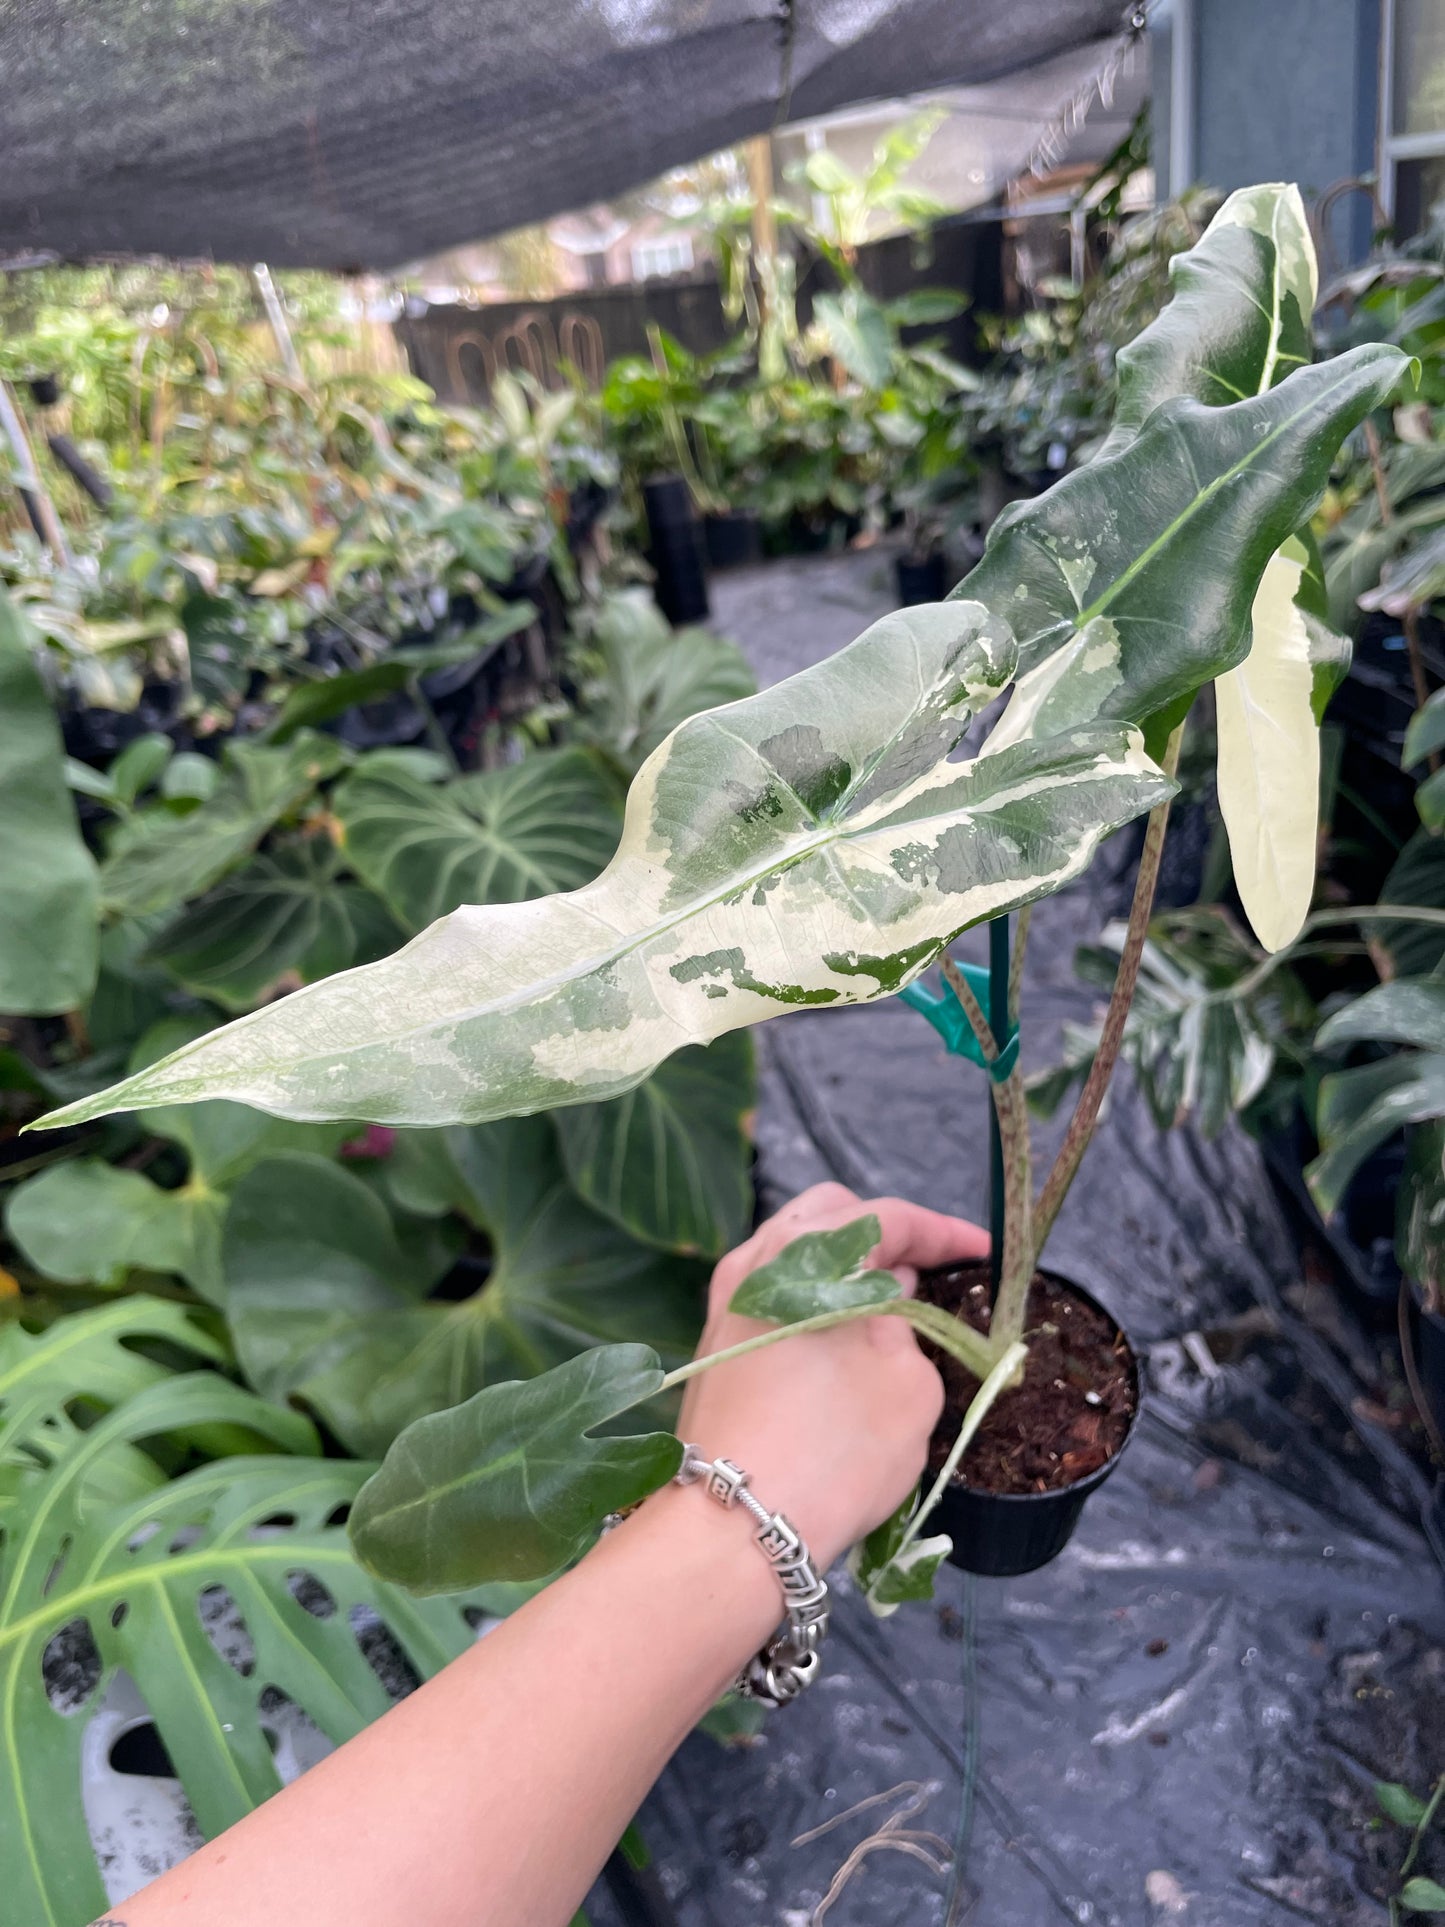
[950, 1020]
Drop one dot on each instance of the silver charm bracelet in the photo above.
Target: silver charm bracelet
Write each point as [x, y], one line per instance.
[789, 1661]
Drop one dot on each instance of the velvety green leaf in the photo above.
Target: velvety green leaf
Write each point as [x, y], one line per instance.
[653, 678]
[286, 910]
[1426, 732]
[1423, 1896]
[347, 1332]
[512, 1484]
[671, 1161]
[97, 1535]
[87, 1222]
[818, 1272]
[48, 913]
[1359, 1109]
[157, 859]
[1399, 1803]
[807, 846]
[1406, 1011]
[547, 823]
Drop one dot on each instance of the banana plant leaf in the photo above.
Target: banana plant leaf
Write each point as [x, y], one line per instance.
[100, 1544]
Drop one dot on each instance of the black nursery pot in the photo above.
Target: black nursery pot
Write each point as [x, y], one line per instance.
[732, 541]
[1000, 1535]
[675, 550]
[921, 578]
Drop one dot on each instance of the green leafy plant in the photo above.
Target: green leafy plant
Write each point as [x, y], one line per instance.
[818, 844]
[1417, 1893]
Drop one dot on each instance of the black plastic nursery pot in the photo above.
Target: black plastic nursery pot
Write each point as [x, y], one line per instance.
[921, 578]
[732, 540]
[1000, 1535]
[675, 549]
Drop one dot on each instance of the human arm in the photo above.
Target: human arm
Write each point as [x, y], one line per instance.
[491, 1796]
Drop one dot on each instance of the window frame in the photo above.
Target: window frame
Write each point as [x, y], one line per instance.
[1393, 147]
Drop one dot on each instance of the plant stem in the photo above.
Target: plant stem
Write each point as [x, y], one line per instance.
[972, 1008]
[969, 1347]
[979, 1409]
[1016, 962]
[1086, 1111]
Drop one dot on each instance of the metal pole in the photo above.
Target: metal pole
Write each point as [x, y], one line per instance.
[276, 314]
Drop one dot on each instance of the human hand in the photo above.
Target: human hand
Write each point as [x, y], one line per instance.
[833, 1426]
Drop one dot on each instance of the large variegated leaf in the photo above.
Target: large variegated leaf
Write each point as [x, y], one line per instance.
[1129, 585]
[810, 845]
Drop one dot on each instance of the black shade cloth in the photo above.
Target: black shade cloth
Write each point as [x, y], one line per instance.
[364, 133]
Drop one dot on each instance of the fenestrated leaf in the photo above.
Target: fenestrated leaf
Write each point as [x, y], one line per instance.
[288, 909]
[347, 1333]
[157, 859]
[1130, 583]
[818, 1272]
[99, 1541]
[511, 1484]
[547, 823]
[670, 1161]
[48, 904]
[807, 846]
[1359, 1109]
[1406, 1011]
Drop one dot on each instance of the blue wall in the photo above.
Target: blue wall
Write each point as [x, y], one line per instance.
[1282, 90]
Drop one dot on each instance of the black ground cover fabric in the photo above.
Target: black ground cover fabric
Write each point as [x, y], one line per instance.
[363, 133]
[1179, 1720]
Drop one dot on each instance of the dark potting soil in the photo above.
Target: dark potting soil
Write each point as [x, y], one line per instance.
[1071, 1412]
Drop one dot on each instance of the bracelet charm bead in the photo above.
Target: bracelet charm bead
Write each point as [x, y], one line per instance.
[789, 1661]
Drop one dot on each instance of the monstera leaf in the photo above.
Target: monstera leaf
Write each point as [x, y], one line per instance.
[670, 1161]
[547, 823]
[157, 859]
[324, 1307]
[48, 922]
[102, 1549]
[289, 910]
[812, 845]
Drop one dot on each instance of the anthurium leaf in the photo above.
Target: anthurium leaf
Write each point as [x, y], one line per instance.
[347, 1332]
[1406, 1011]
[547, 823]
[1426, 732]
[817, 1272]
[512, 1484]
[1422, 1895]
[1398, 1803]
[670, 1160]
[287, 910]
[101, 1546]
[807, 846]
[48, 905]
[157, 859]
[1359, 1109]
[1127, 614]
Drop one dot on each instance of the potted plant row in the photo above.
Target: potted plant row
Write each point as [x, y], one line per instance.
[823, 843]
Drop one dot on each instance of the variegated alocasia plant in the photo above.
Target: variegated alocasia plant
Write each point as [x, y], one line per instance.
[819, 844]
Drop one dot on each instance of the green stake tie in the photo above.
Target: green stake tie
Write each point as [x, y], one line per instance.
[949, 1018]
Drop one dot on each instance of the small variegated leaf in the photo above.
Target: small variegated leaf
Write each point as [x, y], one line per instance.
[810, 845]
[818, 1272]
[890, 1571]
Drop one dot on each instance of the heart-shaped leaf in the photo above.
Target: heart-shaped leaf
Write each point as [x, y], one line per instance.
[670, 1161]
[513, 1484]
[547, 823]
